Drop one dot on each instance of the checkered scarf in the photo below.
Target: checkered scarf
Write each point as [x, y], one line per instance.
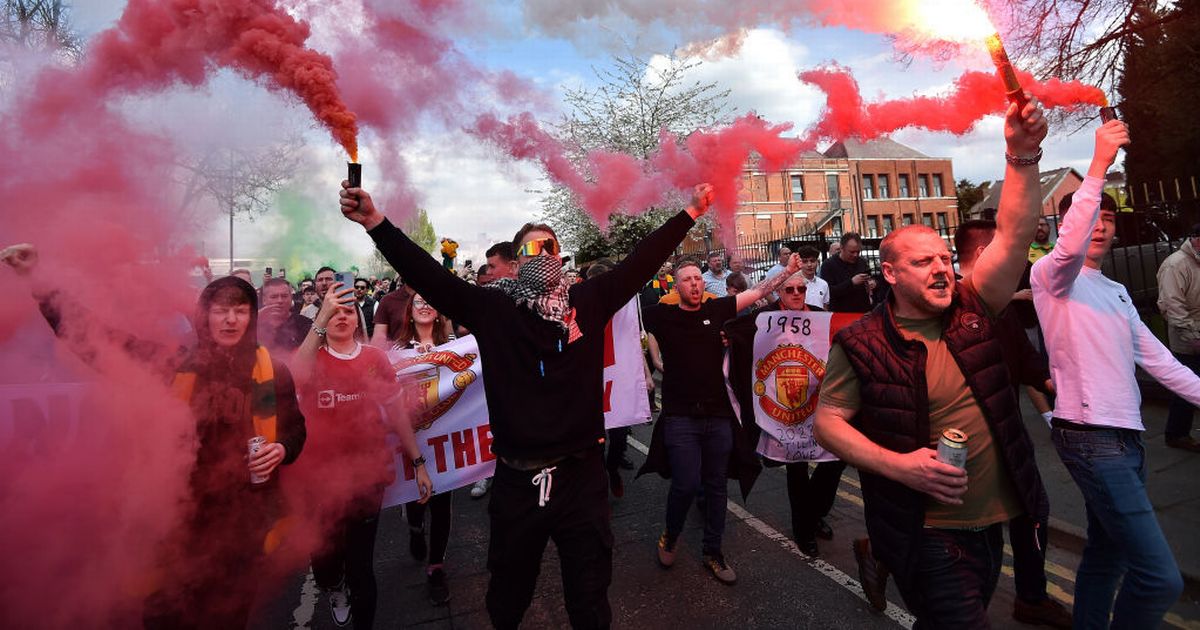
[541, 286]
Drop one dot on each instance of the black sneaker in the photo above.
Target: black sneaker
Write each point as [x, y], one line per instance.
[808, 547]
[439, 591]
[824, 531]
[339, 605]
[416, 543]
[720, 569]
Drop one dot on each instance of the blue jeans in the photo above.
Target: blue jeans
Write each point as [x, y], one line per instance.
[698, 449]
[1125, 544]
[1180, 412]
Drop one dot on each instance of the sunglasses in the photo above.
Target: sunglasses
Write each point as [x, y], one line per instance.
[791, 290]
[536, 247]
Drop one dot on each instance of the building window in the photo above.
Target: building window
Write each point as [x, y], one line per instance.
[937, 186]
[868, 186]
[908, 218]
[923, 186]
[889, 224]
[836, 226]
[927, 219]
[873, 227]
[942, 223]
[903, 183]
[883, 186]
[832, 192]
[797, 188]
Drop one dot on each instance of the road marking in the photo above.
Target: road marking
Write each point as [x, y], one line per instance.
[893, 612]
[303, 615]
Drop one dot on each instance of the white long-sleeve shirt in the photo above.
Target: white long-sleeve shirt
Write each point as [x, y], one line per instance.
[1093, 333]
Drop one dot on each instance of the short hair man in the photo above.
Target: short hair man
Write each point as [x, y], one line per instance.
[696, 433]
[366, 304]
[544, 342]
[274, 313]
[1096, 340]
[244, 274]
[816, 292]
[848, 276]
[714, 278]
[785, 253]
[1179, 302]
[1042, 244]
[925, 361]
[324, 280]
[660, 285]
[502, 259]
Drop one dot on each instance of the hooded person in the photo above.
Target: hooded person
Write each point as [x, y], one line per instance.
[541, 344]
[209, 572]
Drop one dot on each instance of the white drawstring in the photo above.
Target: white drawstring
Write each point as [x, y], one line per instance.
[544, 480]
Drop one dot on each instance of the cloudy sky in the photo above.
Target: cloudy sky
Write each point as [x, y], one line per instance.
[479, 197]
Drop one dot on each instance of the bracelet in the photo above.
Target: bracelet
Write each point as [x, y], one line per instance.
[1021, 160]
[320, 331]
[418, 462]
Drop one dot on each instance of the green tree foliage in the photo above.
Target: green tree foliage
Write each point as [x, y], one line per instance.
[1158, 100]
[420, 229]
[634, 101]
[969, 194]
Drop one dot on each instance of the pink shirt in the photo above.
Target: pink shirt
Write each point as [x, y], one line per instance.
[1094, 335]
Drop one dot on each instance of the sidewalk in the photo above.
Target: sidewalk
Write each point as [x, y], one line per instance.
[1172, 478]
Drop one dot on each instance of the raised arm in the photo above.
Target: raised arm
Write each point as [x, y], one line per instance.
[450, 295]
[1056, 271]
[306, 355]
[629, 276]
[767, 286]
[1000, 265]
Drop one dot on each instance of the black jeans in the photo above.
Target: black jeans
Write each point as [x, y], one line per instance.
[349, 555]
[811, 498]
[1180, 412]
[1028, 539]
[956, 574]
[441, 515]
[576, 517]
[618, 443]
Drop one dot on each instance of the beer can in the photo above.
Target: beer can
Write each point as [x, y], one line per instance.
[253, 446]
[952, 448]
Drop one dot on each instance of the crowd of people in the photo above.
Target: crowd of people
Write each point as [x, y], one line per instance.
[306, 369]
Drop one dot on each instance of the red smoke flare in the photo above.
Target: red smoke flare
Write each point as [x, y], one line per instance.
[158, 42]
[974, 95]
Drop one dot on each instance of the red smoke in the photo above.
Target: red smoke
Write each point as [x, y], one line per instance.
[160, 42]
[973, 96]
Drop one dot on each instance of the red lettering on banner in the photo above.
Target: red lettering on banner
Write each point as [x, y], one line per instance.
[483, 433]
[610, 353]
[608, 396]
[438, 443]
[463, 443]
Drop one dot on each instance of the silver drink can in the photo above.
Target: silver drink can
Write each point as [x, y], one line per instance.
[253, 446]
[952, 448]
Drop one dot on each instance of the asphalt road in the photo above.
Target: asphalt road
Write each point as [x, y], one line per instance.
[777, 586]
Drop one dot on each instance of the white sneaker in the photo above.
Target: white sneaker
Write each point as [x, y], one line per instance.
[480, 488]
[339, 605]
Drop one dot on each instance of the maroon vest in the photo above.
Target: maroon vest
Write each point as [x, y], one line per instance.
[895, 415]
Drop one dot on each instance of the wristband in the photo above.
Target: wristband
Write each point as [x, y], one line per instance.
[320, 331]
[1022, 160]
[418, 462]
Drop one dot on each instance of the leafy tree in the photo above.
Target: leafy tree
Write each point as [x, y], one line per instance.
[969, 194]
[634, 101]
[1158, 91]
[420, 229]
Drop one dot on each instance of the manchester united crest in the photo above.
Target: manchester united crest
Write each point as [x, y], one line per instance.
[433, 382]
[787, 382]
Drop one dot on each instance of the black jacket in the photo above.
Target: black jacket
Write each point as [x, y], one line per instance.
[844, 295]
[544, 395]
[895, 415]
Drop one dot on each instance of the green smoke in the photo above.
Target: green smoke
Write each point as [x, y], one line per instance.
[303, 246]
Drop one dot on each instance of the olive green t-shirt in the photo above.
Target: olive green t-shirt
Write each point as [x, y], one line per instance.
[991, 497]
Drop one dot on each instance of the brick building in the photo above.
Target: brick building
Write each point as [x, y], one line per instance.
[1055, 184]
[868, 187]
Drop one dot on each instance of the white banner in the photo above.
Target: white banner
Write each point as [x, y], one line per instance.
[625, 399]
[790, 351]
[454, 430]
